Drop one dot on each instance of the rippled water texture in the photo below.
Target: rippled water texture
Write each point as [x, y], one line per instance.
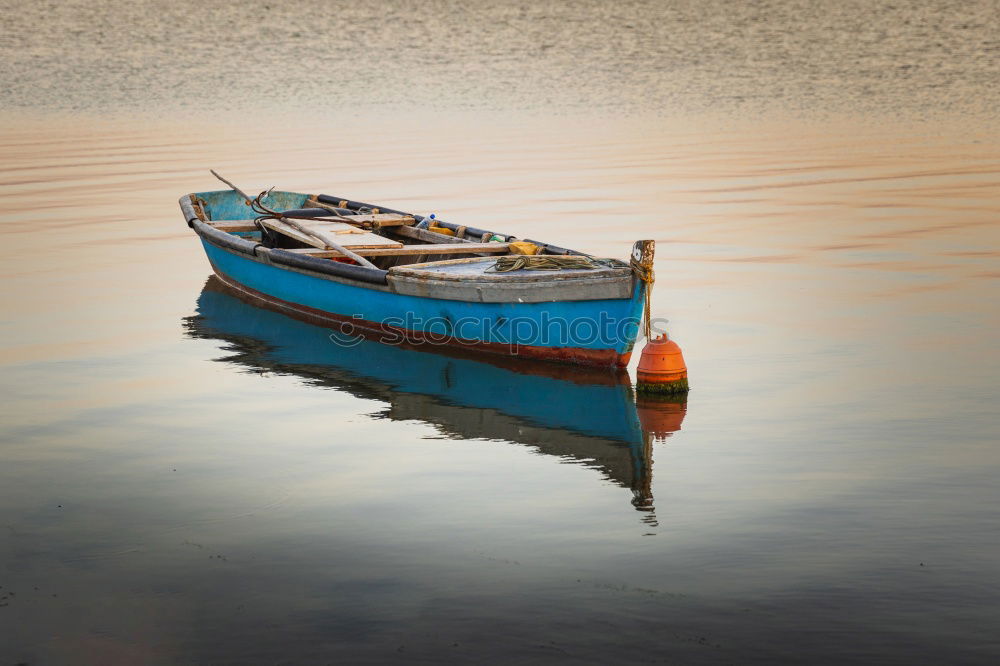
[188, 478]
[891, 58]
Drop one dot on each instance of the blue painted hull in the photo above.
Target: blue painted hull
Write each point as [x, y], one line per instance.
[597, 332]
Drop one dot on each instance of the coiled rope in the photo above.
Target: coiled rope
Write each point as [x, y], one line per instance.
[549, 262]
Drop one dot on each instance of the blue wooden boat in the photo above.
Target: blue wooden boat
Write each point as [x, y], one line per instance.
[366, 270]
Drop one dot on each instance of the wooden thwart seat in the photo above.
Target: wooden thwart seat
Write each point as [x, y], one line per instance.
[381, 219]
[364, 242]
[427, 236]
[233, 226]
[411, 250]
[346, 235]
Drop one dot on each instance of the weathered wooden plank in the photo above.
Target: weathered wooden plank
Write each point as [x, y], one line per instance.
[456, 248]
[331, 227]
[291, 232]
[232, 226]
[428, 236]
[351, 238]
[399, 227]
[360, 238]
[434, 237]
[385, 219]
[382, 219]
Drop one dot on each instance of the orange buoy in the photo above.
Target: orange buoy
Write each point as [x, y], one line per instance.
[661, 367]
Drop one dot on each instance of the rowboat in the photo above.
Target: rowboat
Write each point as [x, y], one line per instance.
[546, 406]
[363, 270]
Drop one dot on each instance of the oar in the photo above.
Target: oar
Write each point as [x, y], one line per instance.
[321, 236]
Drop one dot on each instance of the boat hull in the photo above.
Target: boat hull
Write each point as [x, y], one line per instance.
[598, 332]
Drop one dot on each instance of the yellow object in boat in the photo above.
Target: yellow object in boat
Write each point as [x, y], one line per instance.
[442, 230]
[521, 247]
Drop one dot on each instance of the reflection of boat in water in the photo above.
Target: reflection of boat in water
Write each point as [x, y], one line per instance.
[581, 414]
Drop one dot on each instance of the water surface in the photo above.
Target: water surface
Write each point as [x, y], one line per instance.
[187, 478]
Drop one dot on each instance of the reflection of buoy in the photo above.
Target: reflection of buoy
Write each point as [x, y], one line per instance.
[661, 368]
[661, 415]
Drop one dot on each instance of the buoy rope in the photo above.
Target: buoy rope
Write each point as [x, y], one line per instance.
[647, 275]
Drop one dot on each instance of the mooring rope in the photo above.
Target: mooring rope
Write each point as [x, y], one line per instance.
[647, 275]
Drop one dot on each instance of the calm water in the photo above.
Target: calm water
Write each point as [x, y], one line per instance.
[187, 478]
